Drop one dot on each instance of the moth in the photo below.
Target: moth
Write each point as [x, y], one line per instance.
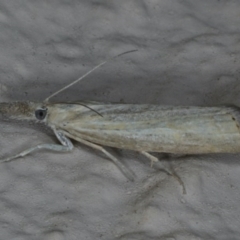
[144, 128]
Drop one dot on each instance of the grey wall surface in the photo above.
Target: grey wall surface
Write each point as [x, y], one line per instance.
[188, 54]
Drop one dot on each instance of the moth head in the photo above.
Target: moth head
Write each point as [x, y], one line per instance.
[24, 111]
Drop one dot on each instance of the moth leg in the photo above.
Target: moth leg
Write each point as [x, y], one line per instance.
[155, 159]
[150, 157]
[174, 174]
[65, 147]
[129, 174]
[170, 172]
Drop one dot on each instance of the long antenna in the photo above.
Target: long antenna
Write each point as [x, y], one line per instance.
[86, 74]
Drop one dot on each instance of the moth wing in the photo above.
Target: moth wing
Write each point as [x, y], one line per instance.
[153, 128]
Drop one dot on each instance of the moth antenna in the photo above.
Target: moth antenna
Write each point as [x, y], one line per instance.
[86, 74]
[86, 106]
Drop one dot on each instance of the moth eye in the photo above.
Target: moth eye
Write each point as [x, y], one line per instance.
[40, 114]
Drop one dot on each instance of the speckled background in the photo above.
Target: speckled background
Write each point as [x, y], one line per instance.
[188, 54]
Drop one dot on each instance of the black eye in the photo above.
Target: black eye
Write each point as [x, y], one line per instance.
[40, 114]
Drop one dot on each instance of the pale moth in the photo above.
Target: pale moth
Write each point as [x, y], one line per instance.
[144, 128]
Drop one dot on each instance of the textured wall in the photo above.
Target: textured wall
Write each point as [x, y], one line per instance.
[188, 54]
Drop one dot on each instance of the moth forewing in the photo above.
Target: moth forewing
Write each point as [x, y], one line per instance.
[151, 128]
